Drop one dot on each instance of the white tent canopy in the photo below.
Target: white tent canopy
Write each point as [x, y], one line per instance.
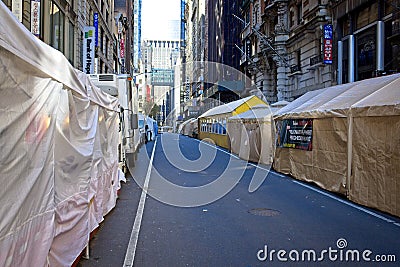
[354, 141]
[336, 101]
[251, 134]
[225, 108]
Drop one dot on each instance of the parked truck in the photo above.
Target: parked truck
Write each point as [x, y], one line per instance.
[122, 87]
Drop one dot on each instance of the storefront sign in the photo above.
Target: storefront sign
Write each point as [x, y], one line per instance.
[122, 48]
[96, 65]
[16, 7]
[328, 39]
[35, 17]
[295, 133]
[96, 28]
[88, 50]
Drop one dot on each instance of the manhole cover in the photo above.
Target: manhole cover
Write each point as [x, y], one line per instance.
[264, 212]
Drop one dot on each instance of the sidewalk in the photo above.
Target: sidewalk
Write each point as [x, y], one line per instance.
[110, 241]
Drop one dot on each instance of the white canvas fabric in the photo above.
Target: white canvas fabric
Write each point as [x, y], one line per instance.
[59, 160]
[251, 134]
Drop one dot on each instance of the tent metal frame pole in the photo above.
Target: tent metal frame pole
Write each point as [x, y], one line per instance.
[349, 153]
[340, 63]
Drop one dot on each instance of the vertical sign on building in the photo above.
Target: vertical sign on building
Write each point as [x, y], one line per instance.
[88, 49]
[96, 28]
[328, 33]
[16, 7]
[35, 17]
[122, 54]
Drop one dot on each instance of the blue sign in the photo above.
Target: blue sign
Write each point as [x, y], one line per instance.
[328, 31]
[96, 27]
[328, 43]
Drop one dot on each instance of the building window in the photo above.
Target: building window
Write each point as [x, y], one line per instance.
[291, 18]
[56, 27]
[367, 16]
[247, 16]
[8, 3]
[106, 49]
[296, 67]
[91, 17]
[299, 13]
[101, 40]
[255, 15]
[389, 7]
[71, 39]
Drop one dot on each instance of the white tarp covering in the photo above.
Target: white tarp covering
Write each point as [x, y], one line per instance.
[251, 134]
[59, 161]
[189, 127]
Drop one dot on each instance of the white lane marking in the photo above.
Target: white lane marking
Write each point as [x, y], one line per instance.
[254, 165]
[277, 173]
[348, 203]
[262, 168]
[214, 146]
[131, 250]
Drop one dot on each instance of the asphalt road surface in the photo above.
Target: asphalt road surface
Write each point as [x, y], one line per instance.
[283, 222]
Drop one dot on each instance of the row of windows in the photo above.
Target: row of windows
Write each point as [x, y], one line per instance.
[60, 30]
[214, 126]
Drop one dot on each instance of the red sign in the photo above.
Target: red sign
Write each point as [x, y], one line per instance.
[327, 51]
[122, 48]
[148, 93]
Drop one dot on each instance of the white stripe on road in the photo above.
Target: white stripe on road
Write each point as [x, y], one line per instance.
[226, 152]
[348, 203]
[277, 173]
[316, 190]
[131, 250]
[255, 165]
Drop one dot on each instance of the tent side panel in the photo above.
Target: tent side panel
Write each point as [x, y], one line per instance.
[330, 153]
[235, 135]
[219, 139]
[375, 181]
[325, 165]
[281, 160]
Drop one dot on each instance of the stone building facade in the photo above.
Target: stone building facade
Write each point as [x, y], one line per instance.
[282, 43]
[294, 46]
[60, 23]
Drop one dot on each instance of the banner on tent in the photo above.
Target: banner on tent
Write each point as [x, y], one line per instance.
[295, 133]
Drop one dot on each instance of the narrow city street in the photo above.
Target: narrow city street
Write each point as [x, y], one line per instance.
[285, 221]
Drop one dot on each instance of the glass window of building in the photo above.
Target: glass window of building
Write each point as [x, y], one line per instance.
[71, 43]
[390, 6]
[101, 40]
[8, 3]
[299, 13]
[367, 16]
[56, 27]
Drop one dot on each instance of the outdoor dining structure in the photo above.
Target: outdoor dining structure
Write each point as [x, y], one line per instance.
[244, 127]
[345, 139]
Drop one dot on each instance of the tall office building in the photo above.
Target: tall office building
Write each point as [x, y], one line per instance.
[137, 33]
[159, 57]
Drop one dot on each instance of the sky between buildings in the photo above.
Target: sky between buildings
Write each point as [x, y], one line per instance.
[160, 19]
